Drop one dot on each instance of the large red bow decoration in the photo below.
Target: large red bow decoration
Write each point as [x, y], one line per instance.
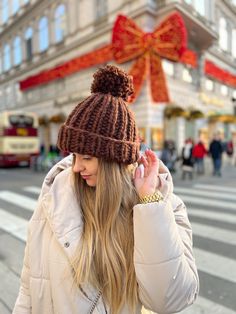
[168, 41]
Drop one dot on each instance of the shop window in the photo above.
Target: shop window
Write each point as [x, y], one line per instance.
[29, 43]
[43, 34]
[15, 6]
[224, 90]
[168, 67]
[5, 10]
[6, 58]
[223, 34]
[234, 43]
[187, 76]
[209, 85]
[17, 53]
[60, 23]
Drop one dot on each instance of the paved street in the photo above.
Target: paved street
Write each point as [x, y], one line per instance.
[212, 212]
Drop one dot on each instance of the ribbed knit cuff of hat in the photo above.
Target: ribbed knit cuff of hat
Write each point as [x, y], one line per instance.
[83, 142]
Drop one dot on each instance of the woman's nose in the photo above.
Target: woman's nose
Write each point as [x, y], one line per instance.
[78, 167]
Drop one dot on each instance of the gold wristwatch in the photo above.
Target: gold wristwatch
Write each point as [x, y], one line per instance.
[155, 197]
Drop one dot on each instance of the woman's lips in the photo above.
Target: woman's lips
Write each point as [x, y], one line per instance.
[85, 177]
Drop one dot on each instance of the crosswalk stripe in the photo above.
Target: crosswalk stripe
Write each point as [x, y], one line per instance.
[215, 188]
[223, 217]
[215, 265]
[212, 194]
[208, 202]
[18, 199]
[205, 306]
[14, 225]
[32, 189]
[214, 233]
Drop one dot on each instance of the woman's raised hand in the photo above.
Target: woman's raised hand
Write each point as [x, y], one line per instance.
[147, 183]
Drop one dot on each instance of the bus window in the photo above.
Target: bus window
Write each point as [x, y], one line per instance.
[19, 140]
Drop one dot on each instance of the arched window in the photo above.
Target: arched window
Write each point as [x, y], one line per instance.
[6, 58]
[17, 52]
[43, 34]
[5, 10]
[15, 6]
[29, 43]
[60, 23]
[223, 34]
[234, 43]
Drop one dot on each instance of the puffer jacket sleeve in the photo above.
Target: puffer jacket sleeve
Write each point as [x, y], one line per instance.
[23, 302]
[163, 257]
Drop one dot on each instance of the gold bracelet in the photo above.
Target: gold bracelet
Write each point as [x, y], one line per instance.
[155, 197]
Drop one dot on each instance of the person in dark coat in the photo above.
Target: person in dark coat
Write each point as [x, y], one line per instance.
[216, 150]
[187, 159]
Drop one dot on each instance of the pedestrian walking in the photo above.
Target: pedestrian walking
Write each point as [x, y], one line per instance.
[216, 150]
[199, 152]
[187, 159]
[107, 237]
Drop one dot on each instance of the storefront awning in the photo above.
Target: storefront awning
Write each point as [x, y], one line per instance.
[57, 118]
[175, 111]
[225, 118]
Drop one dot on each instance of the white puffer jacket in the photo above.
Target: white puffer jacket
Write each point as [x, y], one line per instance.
[163, 257]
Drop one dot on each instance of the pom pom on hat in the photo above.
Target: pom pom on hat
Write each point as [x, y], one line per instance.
[102, 125]
[112, 80]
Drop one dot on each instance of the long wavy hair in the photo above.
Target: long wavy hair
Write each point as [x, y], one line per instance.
[105, 256]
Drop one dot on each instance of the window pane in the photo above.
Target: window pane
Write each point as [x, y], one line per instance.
[15, 6]
[17, 51]
[187, 76]
[168, 67]
[209, 85]
[101, 8]
[234, 43]
[224, 90]
[0, 64]
[29, 33]
[6, 58]
[43, 34]
[200, 6]
[5, 10]
[60, 23]
[223, 34]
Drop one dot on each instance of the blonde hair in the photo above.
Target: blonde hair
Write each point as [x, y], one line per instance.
[105, 257]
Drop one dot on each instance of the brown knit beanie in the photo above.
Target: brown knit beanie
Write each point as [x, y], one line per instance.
[102, 125]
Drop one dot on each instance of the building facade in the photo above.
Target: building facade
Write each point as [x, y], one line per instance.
[39, 35]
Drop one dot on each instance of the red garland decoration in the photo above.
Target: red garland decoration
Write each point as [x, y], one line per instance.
[219, 74]
[167, 41]
[93, 58]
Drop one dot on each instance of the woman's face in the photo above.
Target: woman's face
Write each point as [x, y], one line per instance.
[87, 167]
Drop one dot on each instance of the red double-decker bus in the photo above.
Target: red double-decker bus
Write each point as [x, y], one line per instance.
[19, 140]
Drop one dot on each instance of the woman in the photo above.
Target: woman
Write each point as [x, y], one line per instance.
[107, 236]
[187, 159]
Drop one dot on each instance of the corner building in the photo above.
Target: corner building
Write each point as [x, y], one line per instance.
[37, 36]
